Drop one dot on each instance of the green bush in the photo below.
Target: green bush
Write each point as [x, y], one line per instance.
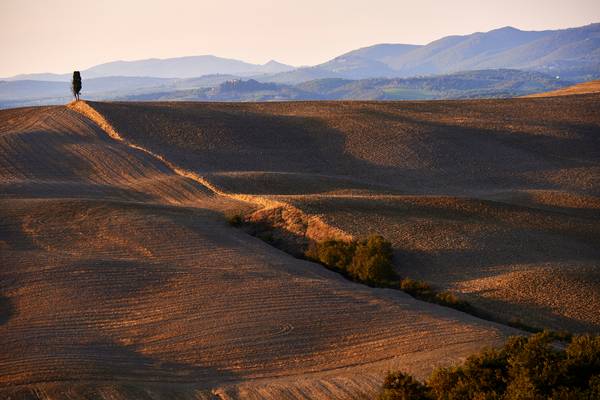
[481, 375]
[415, 288]
[451, 300]
[372, 261]
[422, 290]
[526, 368]
[400, 386]
[368, 261]
[335, 254]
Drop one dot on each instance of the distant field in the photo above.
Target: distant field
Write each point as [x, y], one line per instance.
[401, 94]
[122, 279]
[581, 88]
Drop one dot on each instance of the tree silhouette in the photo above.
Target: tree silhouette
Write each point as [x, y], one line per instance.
[76, 84]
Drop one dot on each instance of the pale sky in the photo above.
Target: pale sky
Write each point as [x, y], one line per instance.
[63, 35]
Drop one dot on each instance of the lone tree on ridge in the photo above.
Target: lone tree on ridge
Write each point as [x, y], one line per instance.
[76, 84]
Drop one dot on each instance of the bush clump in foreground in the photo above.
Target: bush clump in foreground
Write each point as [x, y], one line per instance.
[368, 261]
[526, 368]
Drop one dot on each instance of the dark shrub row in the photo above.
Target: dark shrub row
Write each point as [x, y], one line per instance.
[422, 290]
[235, 219]
[526, 368]
[368, 261]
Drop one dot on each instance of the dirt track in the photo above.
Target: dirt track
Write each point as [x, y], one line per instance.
[121, 279]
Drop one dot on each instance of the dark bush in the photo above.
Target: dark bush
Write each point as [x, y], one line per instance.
[368, 261]
[451, 300]
[481, 376]
[235, 219]
[531, 368]
[267, 237]
[415, 288]
[372, 261]
[422, 290]
[335, 254]
[399, 386]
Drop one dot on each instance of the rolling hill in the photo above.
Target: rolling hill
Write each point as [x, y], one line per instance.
[475, 195]
[581, 88]
[121, 278]
[474, 84]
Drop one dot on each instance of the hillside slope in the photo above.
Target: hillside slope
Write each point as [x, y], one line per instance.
[121, 279]
[580, 88]
[495, 199]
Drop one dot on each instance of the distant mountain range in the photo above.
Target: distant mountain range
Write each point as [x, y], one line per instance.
[180, 67]
[379, 71]
[572, 53]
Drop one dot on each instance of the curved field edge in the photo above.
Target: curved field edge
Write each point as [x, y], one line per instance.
[314, 227]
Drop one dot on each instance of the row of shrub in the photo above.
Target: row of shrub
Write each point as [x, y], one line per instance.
[423, 291]
[368, 261]
[526, 368]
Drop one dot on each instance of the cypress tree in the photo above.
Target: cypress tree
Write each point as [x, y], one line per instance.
[76, 84]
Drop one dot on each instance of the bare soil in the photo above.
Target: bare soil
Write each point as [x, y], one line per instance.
[497, 200]
[121, 279]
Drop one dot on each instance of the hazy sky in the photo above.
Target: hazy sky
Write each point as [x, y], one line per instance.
[63, 35]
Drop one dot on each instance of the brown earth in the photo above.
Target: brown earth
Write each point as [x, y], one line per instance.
[120, 278]
[497, 200]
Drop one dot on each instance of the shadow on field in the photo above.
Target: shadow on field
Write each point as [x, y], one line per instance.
[124, 372]
[7, 309]
[376, 142]
[111, 360]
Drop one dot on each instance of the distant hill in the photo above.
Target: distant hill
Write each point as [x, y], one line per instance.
[574, 53]
[474, 84]
[232, 90]
[33, 92]
[183, 67]
[180, 67]
[571, 53]
[581, 88]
